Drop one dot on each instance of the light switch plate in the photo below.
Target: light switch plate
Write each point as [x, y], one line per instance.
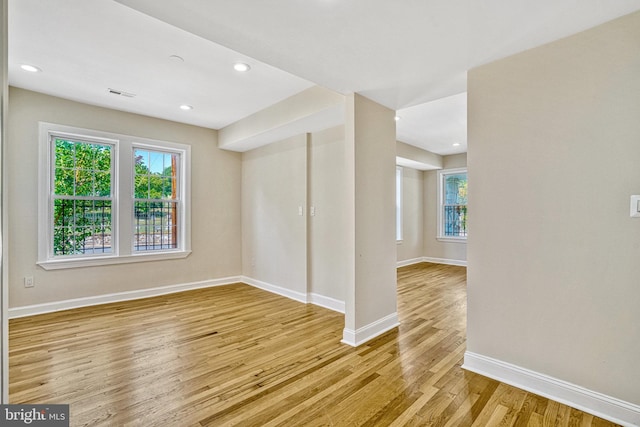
[635, 207]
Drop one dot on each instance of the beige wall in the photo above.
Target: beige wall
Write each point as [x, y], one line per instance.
[434, 248]
[412, 245]
[274, 239]
[347, 248]
[274, 234]
[215, 209]
[554, 258]
[327, 228]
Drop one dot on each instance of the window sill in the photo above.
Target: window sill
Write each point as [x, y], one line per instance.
[110, 260]
[452, 239]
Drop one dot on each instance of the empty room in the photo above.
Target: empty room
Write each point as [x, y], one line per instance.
[331, 213]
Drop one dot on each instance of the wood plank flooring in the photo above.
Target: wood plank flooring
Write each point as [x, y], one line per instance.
[236, 355]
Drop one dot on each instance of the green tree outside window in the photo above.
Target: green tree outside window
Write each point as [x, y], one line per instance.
[82, 217]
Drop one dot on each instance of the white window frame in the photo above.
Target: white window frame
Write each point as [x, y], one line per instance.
[399, 207]
[179, 200]
[441, 180]
[122, 194]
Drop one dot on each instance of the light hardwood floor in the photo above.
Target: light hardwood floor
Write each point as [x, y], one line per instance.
[236, 355]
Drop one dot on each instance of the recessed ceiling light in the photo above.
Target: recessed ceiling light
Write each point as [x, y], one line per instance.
[30, 68]
[186, 107]
[241, 67]
[456, 144]
[396, 118]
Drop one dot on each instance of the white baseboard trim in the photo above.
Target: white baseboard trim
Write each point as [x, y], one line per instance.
[327, 302]
[279, 290]
[50, 307]
[370, 331]
[310, 298]
[457, 262]
[446, 261]
[603, 406]
[407, 262]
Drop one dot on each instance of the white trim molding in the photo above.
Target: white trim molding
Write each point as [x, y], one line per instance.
[370, 331]
[598, 404]
[458, 262]
[407, 262]
[51, 307]
[275, 289]
[109, 260]
[326, 302]
[310, 298]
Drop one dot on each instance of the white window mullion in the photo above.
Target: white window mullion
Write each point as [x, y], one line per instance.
[125, 205]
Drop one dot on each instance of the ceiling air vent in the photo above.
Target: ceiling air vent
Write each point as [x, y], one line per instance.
[121, 93]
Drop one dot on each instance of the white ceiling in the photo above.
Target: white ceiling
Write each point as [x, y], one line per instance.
[437, 124]
[401, 54]
[85, 47]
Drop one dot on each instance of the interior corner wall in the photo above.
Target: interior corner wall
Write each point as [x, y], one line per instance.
[411, 246]
[328, 225]
[274, 216]
[554, 256]
[215, 210]
[453, 252]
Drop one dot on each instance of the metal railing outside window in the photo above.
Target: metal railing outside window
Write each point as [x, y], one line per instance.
[82, 227]
[453, 204]
[455, 221]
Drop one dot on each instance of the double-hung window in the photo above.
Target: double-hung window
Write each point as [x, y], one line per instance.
[108, 198]
[452, 213]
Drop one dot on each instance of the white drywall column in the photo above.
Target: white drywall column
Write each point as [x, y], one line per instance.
[4, 283]
[370, 150]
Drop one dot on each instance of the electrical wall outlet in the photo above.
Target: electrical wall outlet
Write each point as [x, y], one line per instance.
[28, 282]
